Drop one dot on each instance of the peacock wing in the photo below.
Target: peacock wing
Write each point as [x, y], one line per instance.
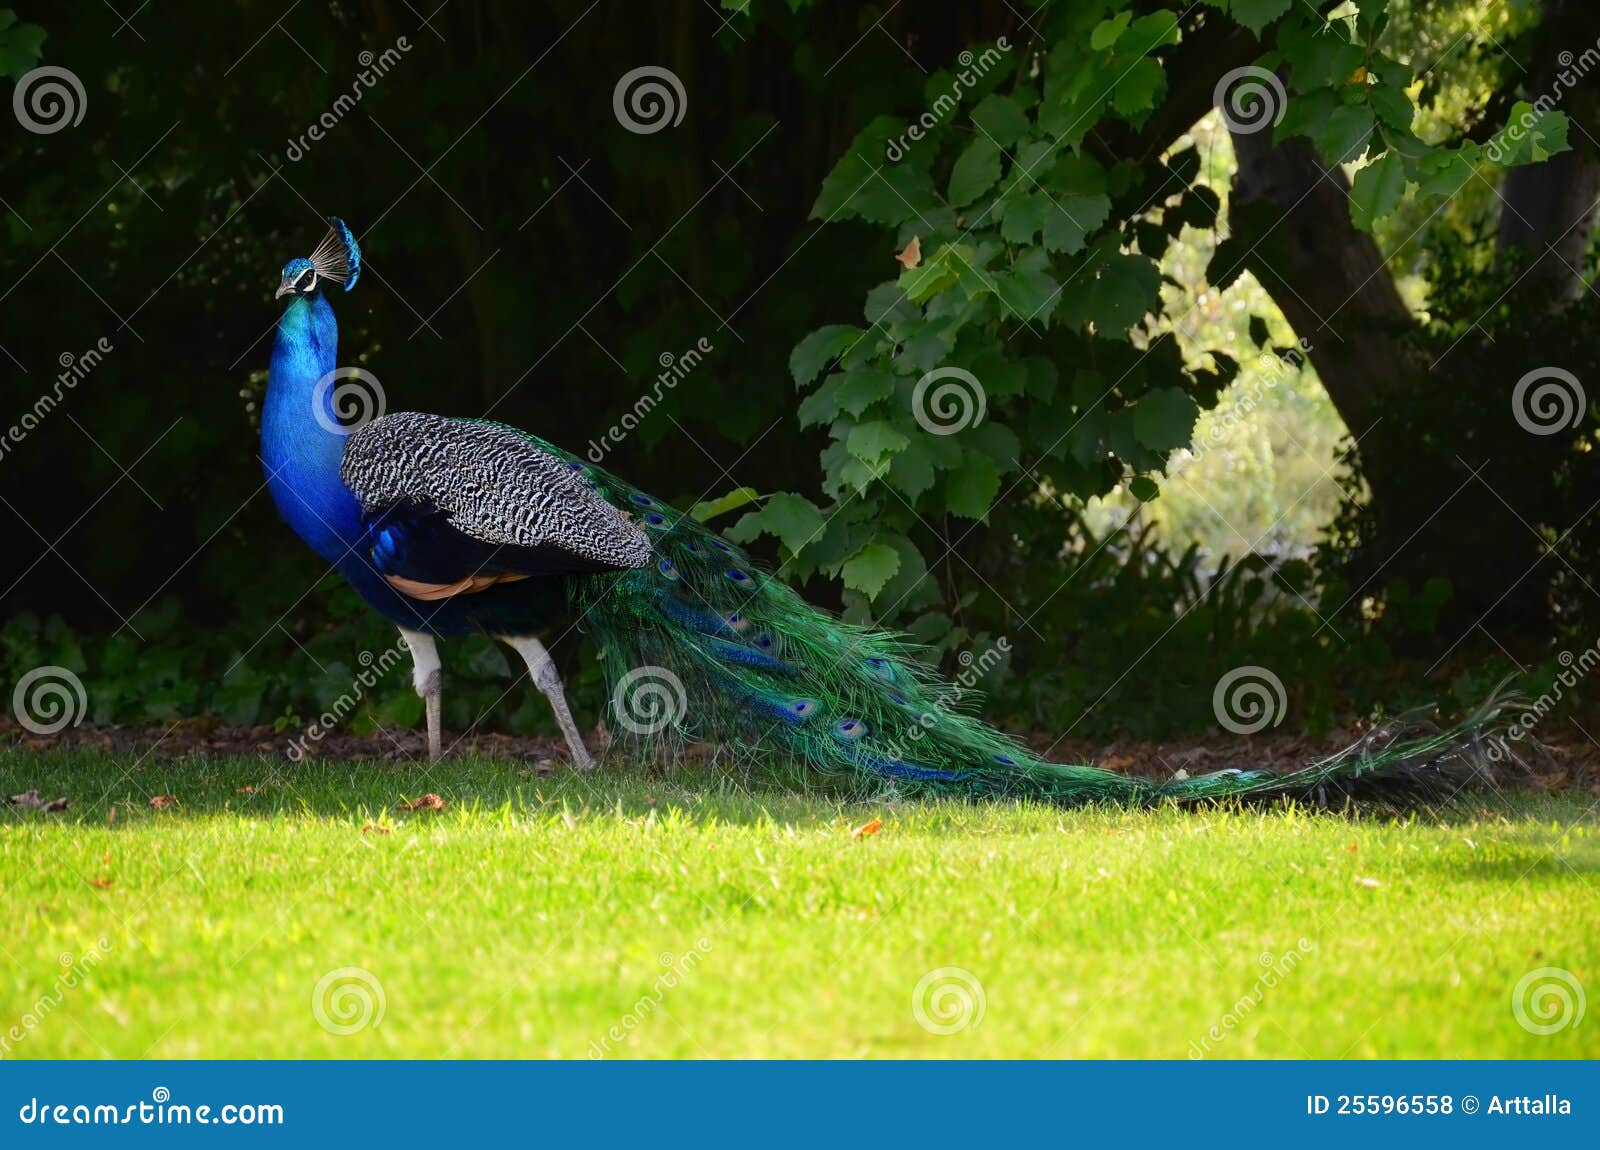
[458, 499]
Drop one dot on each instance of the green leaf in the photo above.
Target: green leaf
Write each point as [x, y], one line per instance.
[1150, 32]
[859, 390]
[912, 470]
[1377, 190]
[1227, 263]
[868, 183]
[970, 489]
[820, 348]
[1071, 219]
[1127, 288]
[871, 441]
[20, 45]
[1000, 117]
[1143, 488]
[975, 172]
[1372, 18]
[1025, 216]
[1343, 138]
[1529, 136]
[739, 497]
[1163, 419]
[1027, 292]
[821, 406]
[793, 519]
[1139, 88]
[870, 568]
[1257, 14]
[1107, 32]
[1392, 105]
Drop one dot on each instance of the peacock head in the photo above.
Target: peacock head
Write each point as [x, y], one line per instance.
[337, 259]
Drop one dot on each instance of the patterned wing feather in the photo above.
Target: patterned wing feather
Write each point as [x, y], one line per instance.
[493, 484]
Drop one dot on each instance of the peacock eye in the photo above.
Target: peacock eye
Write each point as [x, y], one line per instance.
[307, 279]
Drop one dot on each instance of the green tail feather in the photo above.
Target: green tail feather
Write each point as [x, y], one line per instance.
[704, 646]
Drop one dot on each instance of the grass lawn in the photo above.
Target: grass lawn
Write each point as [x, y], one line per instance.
[694, 917]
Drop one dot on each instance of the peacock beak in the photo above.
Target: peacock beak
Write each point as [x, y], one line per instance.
[284, 288]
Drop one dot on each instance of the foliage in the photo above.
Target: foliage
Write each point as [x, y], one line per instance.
[1026, 252]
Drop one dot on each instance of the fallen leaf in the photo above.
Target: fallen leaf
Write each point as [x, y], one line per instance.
[247, 789]
[102, 883]
[911, 255]
[1369, 883]
[32, 800]
[428, 802]
[869, 828]
[376, 829]
[162, 802]
[1351, 848]
[111, 815]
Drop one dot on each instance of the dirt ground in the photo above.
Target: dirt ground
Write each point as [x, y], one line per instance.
[1566, 758]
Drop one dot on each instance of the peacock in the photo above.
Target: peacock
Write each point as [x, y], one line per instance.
[449, 527]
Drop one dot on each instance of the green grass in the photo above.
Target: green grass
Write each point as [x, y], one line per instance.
[528, 918]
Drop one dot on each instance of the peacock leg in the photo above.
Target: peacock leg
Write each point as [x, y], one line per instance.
[543, 671]
[426, 679]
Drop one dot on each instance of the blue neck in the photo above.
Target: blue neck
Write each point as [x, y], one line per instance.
[301, 455]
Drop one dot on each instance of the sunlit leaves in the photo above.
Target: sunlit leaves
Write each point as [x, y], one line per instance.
[793, 519]
[870, 568]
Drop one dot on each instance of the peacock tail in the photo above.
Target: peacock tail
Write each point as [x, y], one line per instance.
[703, 645]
